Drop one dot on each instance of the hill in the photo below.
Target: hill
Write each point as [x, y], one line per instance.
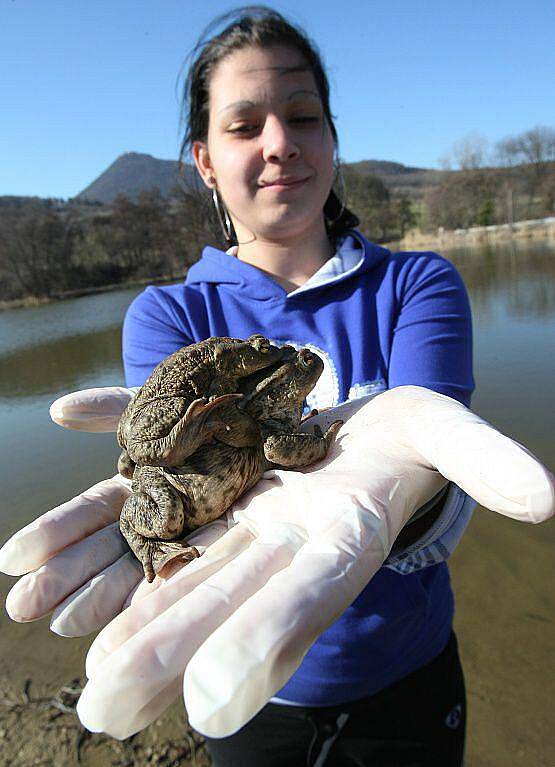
[132, 172]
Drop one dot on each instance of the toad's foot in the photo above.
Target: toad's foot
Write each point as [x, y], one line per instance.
[171, 555]
[154, 554]
[293, 451]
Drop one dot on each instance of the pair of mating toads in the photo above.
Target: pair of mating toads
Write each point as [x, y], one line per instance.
[205, 426]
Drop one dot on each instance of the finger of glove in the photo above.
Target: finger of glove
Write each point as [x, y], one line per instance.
[420, 425]
[93, 410]
[38, 593]
[149, 661]
[99, 600]
[493, 469]
[153, 603]
[143, 716]
[253, 654]
[68, 523]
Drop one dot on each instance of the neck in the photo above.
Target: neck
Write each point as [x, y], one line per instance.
[289, 262]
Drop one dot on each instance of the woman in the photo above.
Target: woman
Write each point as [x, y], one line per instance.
[383, 685]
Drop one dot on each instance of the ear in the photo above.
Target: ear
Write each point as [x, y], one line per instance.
[202, 162]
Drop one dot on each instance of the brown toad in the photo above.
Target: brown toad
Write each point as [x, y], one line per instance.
[168, 503]
[178, 407]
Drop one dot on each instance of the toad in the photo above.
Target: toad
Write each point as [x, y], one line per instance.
[167, 503]
[178, 407]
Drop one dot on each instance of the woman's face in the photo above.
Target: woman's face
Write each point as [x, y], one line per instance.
[270, 149]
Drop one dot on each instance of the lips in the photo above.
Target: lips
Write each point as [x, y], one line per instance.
[284, 182]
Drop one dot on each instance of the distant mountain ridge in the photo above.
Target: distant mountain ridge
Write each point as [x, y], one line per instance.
[133, 172]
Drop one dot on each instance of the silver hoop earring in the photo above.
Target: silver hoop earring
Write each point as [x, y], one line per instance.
[342, 193]
[224, 220]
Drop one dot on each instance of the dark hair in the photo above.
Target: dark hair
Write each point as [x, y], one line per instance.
[253, 25]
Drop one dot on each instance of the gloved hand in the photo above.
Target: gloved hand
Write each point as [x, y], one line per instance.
[236, 623]
[73, 558]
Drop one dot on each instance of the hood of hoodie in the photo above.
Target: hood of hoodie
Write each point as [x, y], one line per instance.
[354, 255]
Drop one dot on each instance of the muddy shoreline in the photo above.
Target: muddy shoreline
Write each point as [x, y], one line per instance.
[39, 726]
[28, 301]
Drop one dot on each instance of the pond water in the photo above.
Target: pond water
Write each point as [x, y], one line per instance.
[502, 572]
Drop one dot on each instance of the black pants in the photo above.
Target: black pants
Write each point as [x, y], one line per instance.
[417, 722]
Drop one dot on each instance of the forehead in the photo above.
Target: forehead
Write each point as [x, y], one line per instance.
[258, 74]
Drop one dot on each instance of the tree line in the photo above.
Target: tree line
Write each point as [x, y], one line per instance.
[512, 182]
[51, 247]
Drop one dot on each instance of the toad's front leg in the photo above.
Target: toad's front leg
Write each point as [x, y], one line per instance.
[167, 432]
[152, 518]
[293, 451]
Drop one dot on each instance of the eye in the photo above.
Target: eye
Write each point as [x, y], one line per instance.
[304, 120]
[243, 128]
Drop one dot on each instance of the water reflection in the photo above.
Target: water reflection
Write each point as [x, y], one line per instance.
[512, 292]
[514, 280]
[64, 364]
[32, 326]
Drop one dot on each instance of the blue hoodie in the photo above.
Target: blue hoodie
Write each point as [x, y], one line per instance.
[378, 320]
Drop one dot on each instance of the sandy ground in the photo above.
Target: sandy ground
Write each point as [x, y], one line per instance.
[502, 575]
[38, 724]
[39, 727]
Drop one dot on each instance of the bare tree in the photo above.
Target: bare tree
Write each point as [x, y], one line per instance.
[36, 249]
[535, 151]
[468, 153]
[507, 155]
[537, 147]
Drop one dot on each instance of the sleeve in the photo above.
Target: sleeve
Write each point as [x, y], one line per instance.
[154, 327]
[432, 347]
[432, 335]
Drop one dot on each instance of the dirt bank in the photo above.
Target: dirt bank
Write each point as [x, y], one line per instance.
[542, 229]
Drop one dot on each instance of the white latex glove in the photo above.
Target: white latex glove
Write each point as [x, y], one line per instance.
[75, 552]
[74, 561]
[238, 621]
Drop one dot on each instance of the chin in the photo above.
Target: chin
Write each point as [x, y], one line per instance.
[289, 226]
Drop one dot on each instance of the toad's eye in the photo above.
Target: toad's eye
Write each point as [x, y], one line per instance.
[260, 343]
[306, 358]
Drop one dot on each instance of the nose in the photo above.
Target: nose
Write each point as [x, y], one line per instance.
[278, 143]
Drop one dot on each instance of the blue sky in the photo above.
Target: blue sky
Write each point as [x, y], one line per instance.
[85, 80]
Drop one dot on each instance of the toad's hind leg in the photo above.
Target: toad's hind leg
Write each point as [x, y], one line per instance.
[293, 451]
[126, 467]
[155, 510]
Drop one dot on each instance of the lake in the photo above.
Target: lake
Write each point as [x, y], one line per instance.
[502, 572]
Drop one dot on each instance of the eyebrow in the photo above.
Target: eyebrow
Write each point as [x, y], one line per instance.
[246, 104]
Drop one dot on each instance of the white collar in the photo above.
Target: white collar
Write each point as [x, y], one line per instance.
[347, 257]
